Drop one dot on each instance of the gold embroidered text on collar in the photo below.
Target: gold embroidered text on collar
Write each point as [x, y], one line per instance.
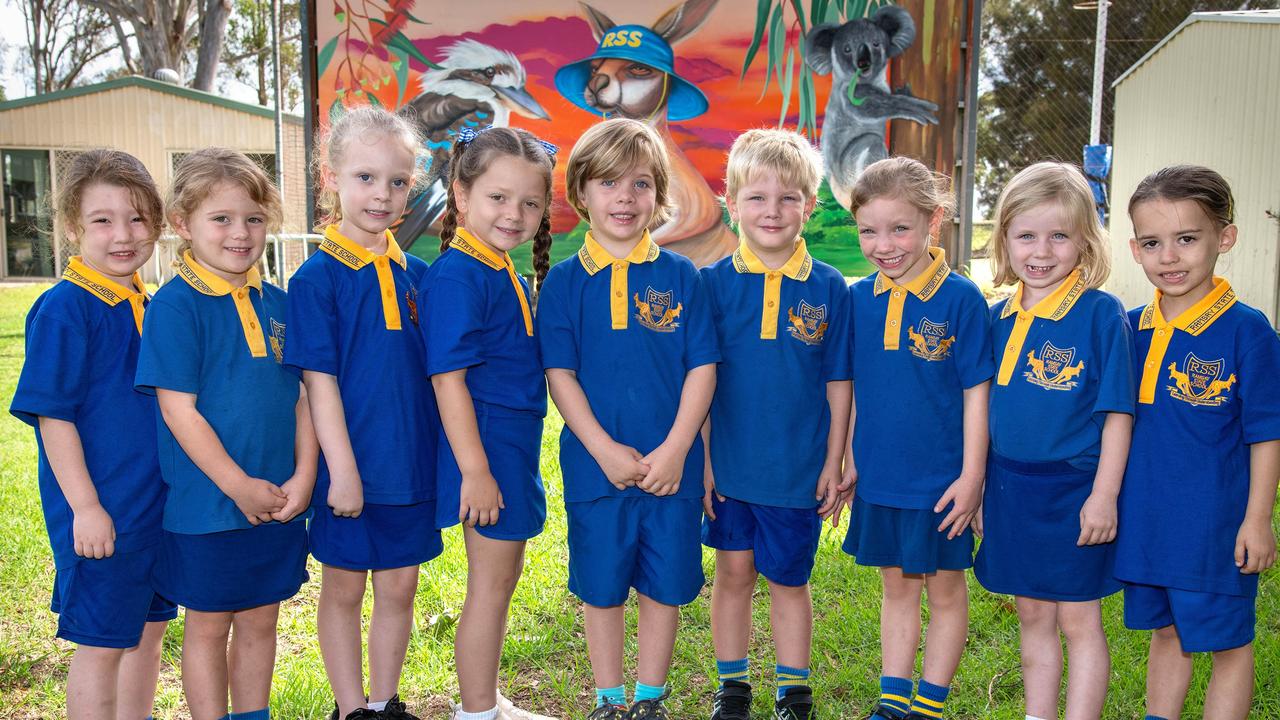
[107, 290]
[595, 258]
[1194, 320]
[207, 283]
[797, 267]
[469, 245]
[355, 256]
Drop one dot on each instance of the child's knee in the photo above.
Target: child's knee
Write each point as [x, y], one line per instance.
[1167, 635]
[900, 589]
[395, 589]
[736, 571]
[948, 592]
[1081, 621]
[1037, 613]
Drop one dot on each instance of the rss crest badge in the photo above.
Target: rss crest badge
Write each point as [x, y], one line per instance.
[655, 311]
[931, 342]
[808, 325]
[277, 339]
[1200, 382]
[1053, 369]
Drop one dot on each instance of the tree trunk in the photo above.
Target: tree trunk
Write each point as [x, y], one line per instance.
[212, 33]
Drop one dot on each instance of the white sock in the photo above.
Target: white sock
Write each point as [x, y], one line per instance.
[379, 706]
[1033, 717]
[491, 714]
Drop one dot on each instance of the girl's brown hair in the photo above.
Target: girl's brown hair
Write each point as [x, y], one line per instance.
[333, 147]
[610, 148]
[1046, 182]
[470, 160]
[107, 167]
[906, 179]
[200, 172]
[1197, 183]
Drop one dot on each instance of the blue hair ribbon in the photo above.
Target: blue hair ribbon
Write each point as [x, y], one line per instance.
[466, 135]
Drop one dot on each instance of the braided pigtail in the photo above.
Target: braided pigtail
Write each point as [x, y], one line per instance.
[449, 221]
[542, 249]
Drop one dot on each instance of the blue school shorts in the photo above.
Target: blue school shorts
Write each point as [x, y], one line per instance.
[512, 442]
[108, 602]
[882, 536]
[383, 537]
[1030, 524]
[783, 541]
[1206, 622]
[644, 542]
[234, 569]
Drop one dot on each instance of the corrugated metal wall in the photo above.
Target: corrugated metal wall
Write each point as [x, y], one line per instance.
[1210, 96]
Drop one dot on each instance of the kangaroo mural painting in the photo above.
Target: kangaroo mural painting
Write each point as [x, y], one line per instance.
[689, 68]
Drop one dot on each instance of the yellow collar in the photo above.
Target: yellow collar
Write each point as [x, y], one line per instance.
[353, 254]
[595, 258]
[924, 285]
[107, 290]
[1053, 307]
[797, 267]
[1197, 318]
[471, 246]
[207, 283]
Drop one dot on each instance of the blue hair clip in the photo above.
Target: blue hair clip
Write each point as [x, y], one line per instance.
[467, 134]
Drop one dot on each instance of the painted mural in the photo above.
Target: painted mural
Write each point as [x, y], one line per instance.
[863, 78]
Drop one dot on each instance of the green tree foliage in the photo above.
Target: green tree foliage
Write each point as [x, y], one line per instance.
[1037, 64]
[248, 52]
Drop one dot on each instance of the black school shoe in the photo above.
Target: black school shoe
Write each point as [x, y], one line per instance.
[884, 712]
[608, 711]
[395, 710]
[797, 704]
[357, 714]
[649, 709]
[733, 701]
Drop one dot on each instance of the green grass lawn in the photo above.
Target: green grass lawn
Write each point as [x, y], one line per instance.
[545, 664]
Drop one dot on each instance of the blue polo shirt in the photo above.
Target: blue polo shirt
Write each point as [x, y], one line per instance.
[1063, 365]
[916, 348]
[224, 345]
[783, 336]
[1208, 391]
[81, 353]
[631, 328]
[354, 315]
[478, 318]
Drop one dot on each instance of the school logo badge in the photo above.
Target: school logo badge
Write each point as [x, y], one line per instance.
[1053, 369]
[809, 325]
[655, 311]
[277, 339]
[411, 300]
[1200, 381]
[931, 342]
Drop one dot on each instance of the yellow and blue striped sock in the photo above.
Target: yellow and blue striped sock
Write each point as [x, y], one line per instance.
[930, 699]
[789, 677]
[737, 670]
[895, 693]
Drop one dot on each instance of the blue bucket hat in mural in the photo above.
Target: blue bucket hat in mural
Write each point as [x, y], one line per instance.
[640, 44]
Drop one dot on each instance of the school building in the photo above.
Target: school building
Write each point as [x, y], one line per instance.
[1206, 95]
[155, 121]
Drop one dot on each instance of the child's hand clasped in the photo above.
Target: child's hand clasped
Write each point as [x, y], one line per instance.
[297, 493]
[1097, 520]
[623, 465]
[346, 496]
[94, 533]
[1255, 546]
[709, 494]
[829, 494]
[480, 501]
[259, 500]
[965, 498]
[666, 468]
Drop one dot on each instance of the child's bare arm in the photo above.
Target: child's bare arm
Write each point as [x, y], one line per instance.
[965, 494]
[480, 498]
[306, 449]
[840, 402]
[849, 477]
[1256, 543]
[621, 463]
[92, 528]
[708, 473]
[666, 462]
[1098, 517]
[255, 497]
[346, 492]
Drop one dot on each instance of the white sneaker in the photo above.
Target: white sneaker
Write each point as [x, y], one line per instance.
[508, 711]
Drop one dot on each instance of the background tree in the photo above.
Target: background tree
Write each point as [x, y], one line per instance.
[167, 32]
[248, 49]
[64, 38]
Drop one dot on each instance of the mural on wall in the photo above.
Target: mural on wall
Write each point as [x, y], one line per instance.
[863, 78]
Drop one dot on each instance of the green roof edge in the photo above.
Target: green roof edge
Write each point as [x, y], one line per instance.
[139, 81]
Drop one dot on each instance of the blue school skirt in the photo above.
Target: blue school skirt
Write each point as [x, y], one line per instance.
[383, 537]
[882, 536]
[234, 569]
[1031, 521]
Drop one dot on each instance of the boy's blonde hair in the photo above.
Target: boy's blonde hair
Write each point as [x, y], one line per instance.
[612, 147]
[333, 147]
[787, 154]
[905, 179]
[200, 172]
[1064, 184]
[103, 166]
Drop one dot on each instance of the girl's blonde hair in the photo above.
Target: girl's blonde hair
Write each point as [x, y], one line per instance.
[1046, 182]
[334, 145]
[103, 166]
[795, 161]
[610, 148]
[199, 173]
[905, 179]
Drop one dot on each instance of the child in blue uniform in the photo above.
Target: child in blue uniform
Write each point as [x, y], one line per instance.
[100, 485]
[236, 445]
[629, 347]
[1061, 420]
[353, 324]
[1199, 492]
[922, 369]
[779, 417]
[492, 395]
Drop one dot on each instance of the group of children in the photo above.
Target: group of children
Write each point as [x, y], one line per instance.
[736, 406]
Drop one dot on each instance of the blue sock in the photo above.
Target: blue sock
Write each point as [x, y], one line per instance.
[649, 692]
[930, 699]
[263, 714]
[737, 670]
[789, 677]
[895, 692]
[611, 696]
[1154, 717]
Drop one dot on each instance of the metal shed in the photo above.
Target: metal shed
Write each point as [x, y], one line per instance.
[155, 121]
[1208, 94]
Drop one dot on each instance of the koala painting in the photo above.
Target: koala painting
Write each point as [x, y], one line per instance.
[857, 55]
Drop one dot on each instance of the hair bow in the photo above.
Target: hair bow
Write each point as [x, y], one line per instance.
[467, 134]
